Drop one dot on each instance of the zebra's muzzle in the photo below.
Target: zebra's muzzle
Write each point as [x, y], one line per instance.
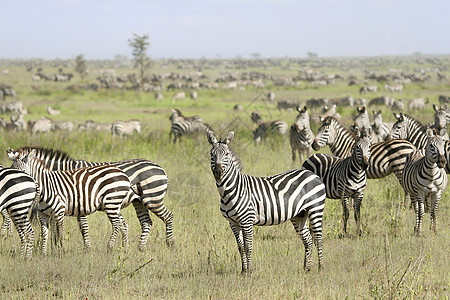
[218, 172]
[315, 146]
[365, 163]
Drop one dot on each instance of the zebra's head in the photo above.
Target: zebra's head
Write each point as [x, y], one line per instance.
[221, 157]
[399, 129]
[325, 134]
[21, 160]
[362, 146]
[302, 122]
[362, 118]
[377, 118]
[440, 117]
[435, 148]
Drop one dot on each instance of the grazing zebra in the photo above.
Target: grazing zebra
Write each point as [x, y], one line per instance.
[18, 193]
[53, 112]
[344, 178]
[7, 107]
[186, 125]
[94, 126]
[149, 175]
[300, 135]
[277, 127]
[296, 195]
[62, 125]
[385, 158]
[77, 193]
[368, 88]
[424, 178]
[122, 128]
[394, 88]
[42, 125]
[417, 103]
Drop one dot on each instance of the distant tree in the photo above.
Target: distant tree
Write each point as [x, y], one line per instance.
[255, 55]
[312, 54]
[139, 45]
[80, 66]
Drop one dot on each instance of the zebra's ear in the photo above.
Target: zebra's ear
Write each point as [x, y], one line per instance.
[305, 108]
[430, 132]
[321, 119]
[211, 138]
[397, 116]
[12, 154]
[435, 107]
[356, 130]
[229, 138]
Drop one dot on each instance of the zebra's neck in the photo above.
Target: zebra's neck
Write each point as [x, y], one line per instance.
[227, 185]
[343, 143]
[416, 134]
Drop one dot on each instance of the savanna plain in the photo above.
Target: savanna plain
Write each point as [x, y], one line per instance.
[386, 262]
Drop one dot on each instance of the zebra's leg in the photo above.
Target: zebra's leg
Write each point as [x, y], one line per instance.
[116, 223]
[146, 223]
[419, 210]
[434, 209]
[407, 202]
[43, 219]
[302, 229]
[26, 234]
[54, 237]
[165, 215]
[19, 222]
[84, 228]
[239, 240]
[6, 226]
[124, 231]
[60, 231]
[357, 206]
[345, 212]
[293, 153]
[247, 235]
[315, 225]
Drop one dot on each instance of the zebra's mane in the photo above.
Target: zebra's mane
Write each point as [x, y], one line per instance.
[48, 154]
[416, 123]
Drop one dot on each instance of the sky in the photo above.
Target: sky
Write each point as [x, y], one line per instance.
[100, 29]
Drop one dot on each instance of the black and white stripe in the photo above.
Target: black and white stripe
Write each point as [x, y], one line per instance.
[18, 192]
[409, 129]
[441, 118]
[424, 177]
[122, 128]
[296, 195]
[300, 135]
[77, 193]
[265, 129]
[386, 157]
[186, 125]
[150, 176]
[344, 178]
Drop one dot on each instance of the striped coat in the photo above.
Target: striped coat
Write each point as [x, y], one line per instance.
[300, 135]
[245, 201]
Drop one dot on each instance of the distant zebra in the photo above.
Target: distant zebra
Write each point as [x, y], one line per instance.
[300, 135]
[53, 112]
[394, 88]
[7, 107]
[18, 193]
[77, 193]
[42, 125]
[385, 158]
[122, 128]
[380, 128]
[424, 177]
[94, 126]
[264, 129]
[296, 195]
[62, 125]
[344, 178]
[150, 176]
[368, 88]
[362, 121]
[186, 125]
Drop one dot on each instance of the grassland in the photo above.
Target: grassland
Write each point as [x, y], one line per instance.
[388, 261]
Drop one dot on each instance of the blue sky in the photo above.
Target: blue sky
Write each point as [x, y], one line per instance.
[192, 29]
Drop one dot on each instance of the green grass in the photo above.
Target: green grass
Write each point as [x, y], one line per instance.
[388, 261]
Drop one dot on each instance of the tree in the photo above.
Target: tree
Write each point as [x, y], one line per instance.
[80, 66]
[139, 45]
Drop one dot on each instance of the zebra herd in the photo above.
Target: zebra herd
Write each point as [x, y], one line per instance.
[51, 184]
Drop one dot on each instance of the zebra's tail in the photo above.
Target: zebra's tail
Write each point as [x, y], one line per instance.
[35, 204]
[137, 189]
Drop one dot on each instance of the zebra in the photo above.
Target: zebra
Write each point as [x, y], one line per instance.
[122, 128]
[61, 125]
[385, 157]
[6, 225]
[295, 195]
[300, 134]
[368, 88]
[441, 118]
[186, 125]
[362, 120]
[94, 126]
[424, 178]
[53, 112]
[79, 193]
[150, 176]
[345, 178]
[18, 194]
[41, 125]
[411, 130]
[379, 128]
[270, 127]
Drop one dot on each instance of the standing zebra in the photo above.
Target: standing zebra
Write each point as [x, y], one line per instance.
[300, 135]
[344, 178]
[380, 128]
[385, 158]
[186, 125]
[296, 195]
[150, 176]
[18, 193]
[78, 193]
[441, 118]
[122, 128]
[423, 177]
[264, 129]
[411, 130]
